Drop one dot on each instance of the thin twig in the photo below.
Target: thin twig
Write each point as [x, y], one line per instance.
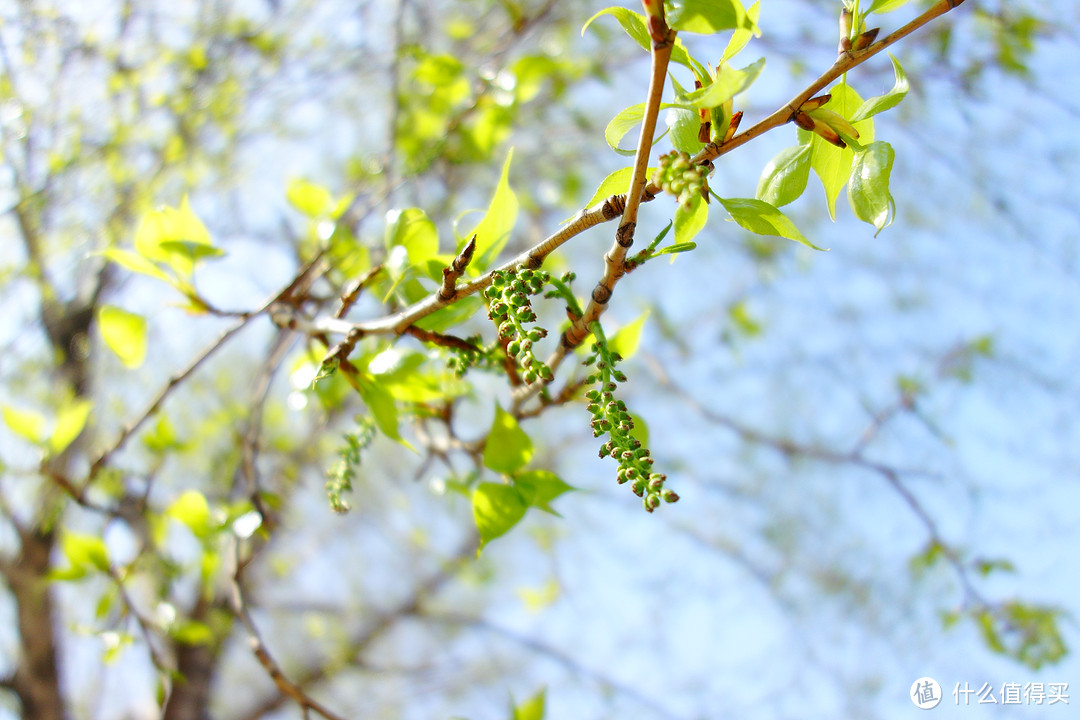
[262, 654]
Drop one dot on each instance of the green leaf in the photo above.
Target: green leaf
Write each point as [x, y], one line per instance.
[192, 632]
[412, 229]
[382, 406]
[533, 708]
[868, 185]
[540, 487]
[508, 447]
[124, 333]
[684, 125]
[312, 200]
[784, 178]
[740, 37]
[616, 183]
[496, 509]
[626, 341]
[881, 103]
[28, 424]
[135, 263]
[634, 25]
[689, 220]
[175, 237]
[729, 83]
[708, 16]
[84, 552]
[70, 421]
[192, 511]
[622, 124]
[885, 6]
[764, 219]
[677, 248]
[494, 228]
[831, 164]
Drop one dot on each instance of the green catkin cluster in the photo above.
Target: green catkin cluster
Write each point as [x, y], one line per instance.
[677, 176]
[611, 417]
[341, 475]
[510, 308]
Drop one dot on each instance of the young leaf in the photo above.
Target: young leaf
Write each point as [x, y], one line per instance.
[494, 228]
[533, 708]
[764, 219]
[540, 487]
[690, 220]
[508, 447]
[312, 200]
[70, 421]
[27, 424]
[832, 164]
[884, 6]
[684, 125]
[382, 406]
[124, 333]
[192, 511]
[84, 552]
[784, 179]
[616, 183]
[626, 120]
[708, 16]
[729, 83]
[868, 186]
[740, 37]
[622, 124]
[412, 229]
[891, 99]
[135, 263]
[626, 341]
[634, 26]
[496, 509]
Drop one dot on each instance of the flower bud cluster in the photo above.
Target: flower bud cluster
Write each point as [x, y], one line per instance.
[611, 417]
[677, 176]
[510, 308]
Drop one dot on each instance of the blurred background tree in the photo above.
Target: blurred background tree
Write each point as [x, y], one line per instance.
[876, 447]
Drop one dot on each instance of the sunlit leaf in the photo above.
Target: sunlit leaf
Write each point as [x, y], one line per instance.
[84, 552]
[832, 164]
[135, 263]
[412, 229]
[311, 199]
[881, 103]
[884, 6]
[124, 333]
[690, 219]
[382, 406]
[634, 25]
[496, 509]
[192, 510]
[70, 421]
[708, 16]
[533, 708]
[494, 228]
[27, 424]
[868, 186]
[508, 447]
[540, 487]
[763, 219]
[728, 84]
[785, 176]
[628, 338]
[740, 37]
